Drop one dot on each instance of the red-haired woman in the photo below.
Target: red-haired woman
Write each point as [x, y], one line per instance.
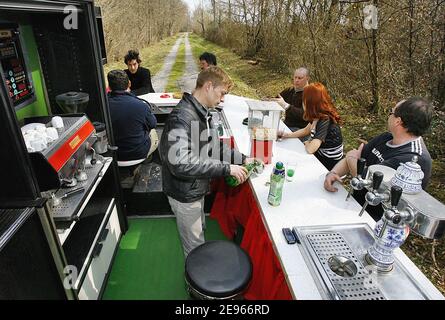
[325, 138]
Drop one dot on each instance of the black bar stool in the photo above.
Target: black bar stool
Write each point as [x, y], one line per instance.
[217, 270]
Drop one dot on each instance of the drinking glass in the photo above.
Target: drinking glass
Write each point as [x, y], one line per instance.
[290, 170]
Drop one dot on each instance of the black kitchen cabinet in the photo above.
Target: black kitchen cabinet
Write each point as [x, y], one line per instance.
[72, 259]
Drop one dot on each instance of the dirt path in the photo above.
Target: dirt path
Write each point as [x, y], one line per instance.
[188, 81]
[160, 80]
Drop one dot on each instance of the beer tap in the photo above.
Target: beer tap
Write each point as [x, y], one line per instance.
[376, 197]
[359, 182]
[403, 212]
[392, 213]
[373, 197]
[391, 231]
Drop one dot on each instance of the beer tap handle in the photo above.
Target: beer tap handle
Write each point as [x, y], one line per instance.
[349, 194]
[363, 209]
[377, 179]
[365, 172]
[357, 182]
[361, 163]
[396, 194]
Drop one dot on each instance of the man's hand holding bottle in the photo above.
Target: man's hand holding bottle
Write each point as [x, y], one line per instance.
[239, 172]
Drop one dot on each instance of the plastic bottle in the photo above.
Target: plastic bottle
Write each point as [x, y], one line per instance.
[276, 184]
[254, 165]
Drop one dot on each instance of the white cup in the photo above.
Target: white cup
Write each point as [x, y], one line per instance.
[40, 129]
[51, 134]
[38, 144]
[39, 135]
[57, 122]
[29, 135]
[28, 139]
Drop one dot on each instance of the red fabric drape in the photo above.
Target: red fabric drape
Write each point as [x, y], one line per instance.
[238, 205]
[230, 206]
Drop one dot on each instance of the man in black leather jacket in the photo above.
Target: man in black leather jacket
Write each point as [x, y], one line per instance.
[192, 154]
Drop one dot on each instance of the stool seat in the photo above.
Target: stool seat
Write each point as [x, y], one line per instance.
[128, 174]
[218, 269]
[130, 163]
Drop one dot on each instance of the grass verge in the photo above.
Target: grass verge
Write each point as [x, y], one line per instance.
[227, 60]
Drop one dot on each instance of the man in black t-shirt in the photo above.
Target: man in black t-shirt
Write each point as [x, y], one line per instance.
[291, 99]
[139, 77]
[380, 150]
[407, 121]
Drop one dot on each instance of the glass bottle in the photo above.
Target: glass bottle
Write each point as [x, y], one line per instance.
[254, 165]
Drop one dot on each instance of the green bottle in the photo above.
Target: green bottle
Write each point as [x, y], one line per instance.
[276, 184]
[233, 182]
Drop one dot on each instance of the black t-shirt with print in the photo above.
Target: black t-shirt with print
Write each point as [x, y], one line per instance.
[380, 151]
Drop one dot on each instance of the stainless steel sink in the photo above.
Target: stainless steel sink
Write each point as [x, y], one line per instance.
[335, 255]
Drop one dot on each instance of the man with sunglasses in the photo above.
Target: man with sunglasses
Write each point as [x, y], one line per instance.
[407, 121]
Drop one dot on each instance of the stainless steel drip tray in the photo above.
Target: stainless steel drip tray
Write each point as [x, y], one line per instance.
[335, 255]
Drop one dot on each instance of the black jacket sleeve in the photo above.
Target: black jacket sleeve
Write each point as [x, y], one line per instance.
[182, 160]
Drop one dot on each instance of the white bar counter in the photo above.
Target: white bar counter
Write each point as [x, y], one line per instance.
[164, 99]
[304, 203]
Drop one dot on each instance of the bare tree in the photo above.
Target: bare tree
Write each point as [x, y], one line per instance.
[137, 23]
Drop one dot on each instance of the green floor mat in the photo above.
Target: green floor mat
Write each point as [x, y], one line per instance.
[149, 264]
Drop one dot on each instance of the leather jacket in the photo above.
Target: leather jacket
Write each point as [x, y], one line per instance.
[189, 164]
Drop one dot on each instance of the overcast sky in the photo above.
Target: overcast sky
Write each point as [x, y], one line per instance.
[192, 4]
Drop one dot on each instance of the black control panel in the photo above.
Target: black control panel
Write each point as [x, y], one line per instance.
[13, 66]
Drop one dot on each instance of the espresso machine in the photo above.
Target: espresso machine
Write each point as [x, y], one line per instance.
[67, 166]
